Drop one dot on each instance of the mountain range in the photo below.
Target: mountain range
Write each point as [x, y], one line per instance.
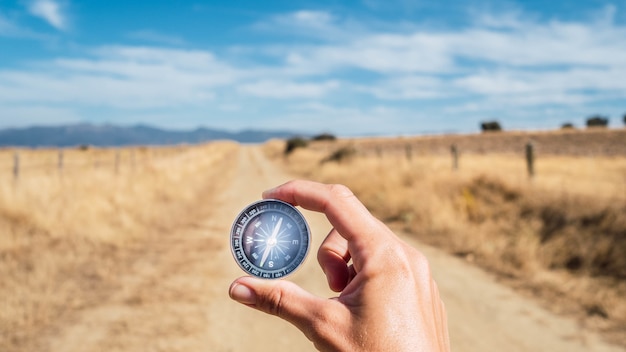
[112, 135]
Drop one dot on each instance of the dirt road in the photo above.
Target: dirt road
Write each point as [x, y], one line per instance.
[175, 297]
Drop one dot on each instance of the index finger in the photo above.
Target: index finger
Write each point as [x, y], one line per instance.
[342, 208]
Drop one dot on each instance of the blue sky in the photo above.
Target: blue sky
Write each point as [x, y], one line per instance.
[349, 67]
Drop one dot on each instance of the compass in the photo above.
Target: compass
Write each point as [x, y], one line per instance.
[270, 239]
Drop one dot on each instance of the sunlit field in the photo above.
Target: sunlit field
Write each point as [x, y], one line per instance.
[559, 235]
[93, 232]
[70, 228]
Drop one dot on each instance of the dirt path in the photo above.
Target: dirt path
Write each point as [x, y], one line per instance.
[175, 297]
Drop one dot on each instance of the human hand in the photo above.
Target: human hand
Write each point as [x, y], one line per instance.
[388, 300]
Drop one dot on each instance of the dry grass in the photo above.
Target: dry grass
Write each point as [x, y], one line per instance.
[67, 236]
[560, 236]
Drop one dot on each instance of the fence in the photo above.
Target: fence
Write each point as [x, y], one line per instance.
[25, 162]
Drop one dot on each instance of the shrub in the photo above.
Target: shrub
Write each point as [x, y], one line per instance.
[294, 143]
[341, 154]
[567, 126]
[324, 137]
[597, 121]
[490, 126]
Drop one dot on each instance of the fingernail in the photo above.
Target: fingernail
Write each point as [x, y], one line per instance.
[266, 194]
[242, 294]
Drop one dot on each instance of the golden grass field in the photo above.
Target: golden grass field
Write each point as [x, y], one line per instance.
[560, 236]
[67, 236]
[70, 237]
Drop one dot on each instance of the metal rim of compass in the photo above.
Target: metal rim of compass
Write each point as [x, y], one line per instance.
[237, 247]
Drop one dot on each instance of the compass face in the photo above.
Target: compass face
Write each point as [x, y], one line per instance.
[270, 239]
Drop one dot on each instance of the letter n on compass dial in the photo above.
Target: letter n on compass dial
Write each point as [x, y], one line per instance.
[270, 239]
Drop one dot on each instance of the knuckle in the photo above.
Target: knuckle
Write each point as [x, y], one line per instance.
[340, 191]
[409, 261]
[272, 301]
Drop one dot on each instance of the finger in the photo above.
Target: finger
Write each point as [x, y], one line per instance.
[333, 256]
[441, 322]
[344, 211]
[288, 301]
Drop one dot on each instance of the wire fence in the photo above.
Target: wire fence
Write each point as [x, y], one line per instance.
[19, 163]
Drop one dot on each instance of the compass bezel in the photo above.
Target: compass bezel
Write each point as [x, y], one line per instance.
[246, 217]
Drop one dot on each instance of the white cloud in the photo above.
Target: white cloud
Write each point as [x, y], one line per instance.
[502, 62]
[23, 116]
[288, 90]
[311, 24]
[546, 83]
[381, 53]
[529, 44]
[409, 88]
[50, 11]
[121, 77]
[526, 64]
[350, 120]
[509, 20]
[312, 18]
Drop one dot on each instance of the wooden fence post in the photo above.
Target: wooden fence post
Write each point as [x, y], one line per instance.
[409, 152]
[455, 157]
[530, 159]
[16, 165]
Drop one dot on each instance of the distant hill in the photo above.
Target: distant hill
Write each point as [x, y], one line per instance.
[112, 135]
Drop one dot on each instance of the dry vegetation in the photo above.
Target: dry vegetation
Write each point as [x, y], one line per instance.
[560, 236]
[68, 235]
[72, 237]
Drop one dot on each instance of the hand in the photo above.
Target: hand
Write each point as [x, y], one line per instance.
[388, 300]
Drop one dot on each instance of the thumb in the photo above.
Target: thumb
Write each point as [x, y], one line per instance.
[285, 300]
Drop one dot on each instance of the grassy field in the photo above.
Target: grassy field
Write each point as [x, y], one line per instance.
[560, 236]
[69, 234]
[74, 226]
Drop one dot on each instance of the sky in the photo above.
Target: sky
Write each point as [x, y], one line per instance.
[369, 67]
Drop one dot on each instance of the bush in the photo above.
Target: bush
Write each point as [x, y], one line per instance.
[490, 126]
[294, 143]
[341, 154]
[324, 137]
[567, 126]
[597, 121]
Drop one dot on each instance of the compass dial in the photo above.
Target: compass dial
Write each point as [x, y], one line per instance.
[270, 239]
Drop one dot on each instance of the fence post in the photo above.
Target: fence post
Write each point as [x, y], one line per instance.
[409, 152]
[132, 159]
[16, 165]
[530, 159]
[455, 157]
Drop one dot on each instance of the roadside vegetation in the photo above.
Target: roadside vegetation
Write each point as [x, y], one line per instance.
[559, 236]
[71, 229]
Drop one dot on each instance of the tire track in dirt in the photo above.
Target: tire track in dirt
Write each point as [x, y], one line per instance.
[175, 297]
